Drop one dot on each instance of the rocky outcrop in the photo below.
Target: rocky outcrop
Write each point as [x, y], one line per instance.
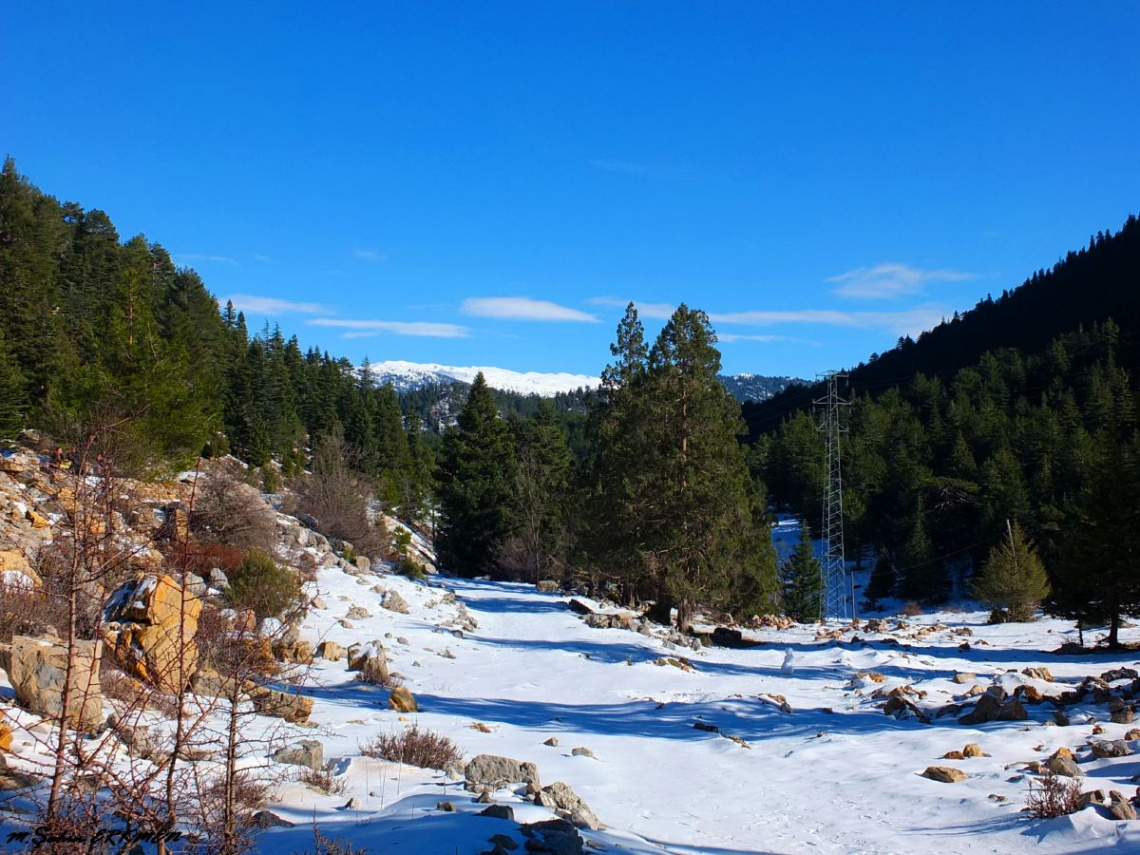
[292, 707]
[568, 804]
[309, 753]
[492, 771]
[149, 627]
[36, 669]
[17, 572]
[945, 774]
[402, 700]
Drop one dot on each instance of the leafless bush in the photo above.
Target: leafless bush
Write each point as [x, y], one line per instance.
[324, 780]
[331, 845]
[228, 511]
[337, 498]
[1053, 796]
[424, 748]
[912, 609]
[24, 611]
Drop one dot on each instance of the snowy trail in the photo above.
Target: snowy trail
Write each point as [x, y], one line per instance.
[834, 775]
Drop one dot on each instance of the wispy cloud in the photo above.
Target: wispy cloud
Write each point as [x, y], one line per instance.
[885, 281]
[907, 322]
[265, 259]
[369, 255]
[730, 338]
[658, 311]
[193, 256]
[364, 329]
[274, 306]
[523, 309]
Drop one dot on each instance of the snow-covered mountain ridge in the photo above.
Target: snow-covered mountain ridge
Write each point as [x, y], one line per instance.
[406, 376]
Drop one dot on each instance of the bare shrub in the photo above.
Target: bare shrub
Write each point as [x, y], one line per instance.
[229, 511]
[912, 609]
[424, 748]
[1055, 795]
[324, 780]
[331, 845]
[338, 499]
[24, 611]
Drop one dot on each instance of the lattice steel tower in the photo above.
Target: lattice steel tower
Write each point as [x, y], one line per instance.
[837, 597]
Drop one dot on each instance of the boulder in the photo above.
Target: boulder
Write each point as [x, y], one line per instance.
[363, 564]
[358, 613]
[309, 753]
[16, 572]
[219, 581]
[149, 627]
[264, 819]
[393, 602]
[579, 608]
[723, 636]
[330, 650]
[498, 812]
[547, 586]
[973, 750]
[945, 774]
[5, 736]
[371, 661]
[136, 737]
[553, 837]
[1066, 767]
[495, 771]
[561, 798]
[1121, 808]
[402, 700]
[1111, 748]
[11, 779]
[36, 669]
[292, 707]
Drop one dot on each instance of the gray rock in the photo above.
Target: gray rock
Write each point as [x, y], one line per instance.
[393, 602]
[553, 837]
[196, 585]
[1066, 767]
[1121, 808]
[552, 742]
[308, 752]
[358, 613]
[560, 797]
[446, 807]
[547, 586]
[495, 771]
[1111, 748]
[267, 819]
[363, 564]
[354, 804]
[498, 812]
[581, 752]
[505, 842]
[220, 582]
[318, 603]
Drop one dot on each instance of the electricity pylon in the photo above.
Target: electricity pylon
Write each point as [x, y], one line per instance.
[837, 598]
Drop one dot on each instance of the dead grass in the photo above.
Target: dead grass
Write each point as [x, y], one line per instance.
[424, 748]
[1053, 796]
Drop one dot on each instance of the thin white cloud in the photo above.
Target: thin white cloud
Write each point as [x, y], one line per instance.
[523, 309]
[265, 259]
[274, 306]
[885, 281]
[730, 338]
[363, 329]
[907, 322]
[369, 255]
[658, 311]
[193, 256]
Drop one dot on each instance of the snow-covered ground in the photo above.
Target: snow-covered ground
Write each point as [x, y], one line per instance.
[835, 774]
[796, 754]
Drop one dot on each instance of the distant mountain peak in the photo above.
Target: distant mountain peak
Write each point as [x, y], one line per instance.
[413, 375]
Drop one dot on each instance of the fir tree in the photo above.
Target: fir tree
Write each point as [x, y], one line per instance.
[803, 584]
[476, 477]
[1013, 582]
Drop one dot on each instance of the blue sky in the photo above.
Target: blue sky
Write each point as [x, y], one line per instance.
[489, 183]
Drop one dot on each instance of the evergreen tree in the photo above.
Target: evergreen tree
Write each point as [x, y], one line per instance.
[12, 400]
[476, 478]
[1013, 582]
[803, 583]
[1097, 579]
